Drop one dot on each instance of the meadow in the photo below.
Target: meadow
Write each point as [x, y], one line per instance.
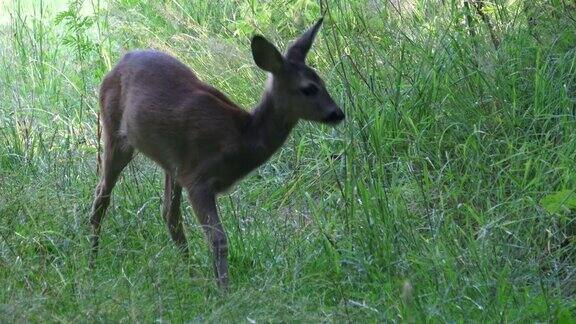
[447, 195]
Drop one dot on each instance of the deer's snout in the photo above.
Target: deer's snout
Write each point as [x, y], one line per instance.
[335, 117]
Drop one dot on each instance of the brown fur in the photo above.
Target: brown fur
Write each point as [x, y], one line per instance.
[153, 103]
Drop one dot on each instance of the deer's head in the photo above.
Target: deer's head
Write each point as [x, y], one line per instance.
[293, 85]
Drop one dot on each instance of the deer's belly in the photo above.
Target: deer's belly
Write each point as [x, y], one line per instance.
[221, 172]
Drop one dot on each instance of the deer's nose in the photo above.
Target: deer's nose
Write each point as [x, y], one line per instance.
[335, 116]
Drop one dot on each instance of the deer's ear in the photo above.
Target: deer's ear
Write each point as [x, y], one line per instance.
[266, 56]
[298, 50]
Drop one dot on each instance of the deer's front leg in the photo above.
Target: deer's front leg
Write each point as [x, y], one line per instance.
[204, 203]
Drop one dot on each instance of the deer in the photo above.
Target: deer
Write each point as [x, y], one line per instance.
[152, 103]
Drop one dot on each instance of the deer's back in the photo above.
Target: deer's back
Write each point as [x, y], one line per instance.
[166, 112]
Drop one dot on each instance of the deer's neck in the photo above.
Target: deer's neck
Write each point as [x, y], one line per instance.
[266, 131]
[270, 127]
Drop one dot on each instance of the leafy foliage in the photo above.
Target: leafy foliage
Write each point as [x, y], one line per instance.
[565, 199]
[442, 198]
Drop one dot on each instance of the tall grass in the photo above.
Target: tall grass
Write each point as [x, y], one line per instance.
[425, 205]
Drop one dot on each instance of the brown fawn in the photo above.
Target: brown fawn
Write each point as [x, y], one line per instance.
[153, 103]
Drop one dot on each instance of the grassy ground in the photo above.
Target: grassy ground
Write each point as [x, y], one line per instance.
[447, 195]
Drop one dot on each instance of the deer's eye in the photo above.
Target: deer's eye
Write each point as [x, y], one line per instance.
[310, 90]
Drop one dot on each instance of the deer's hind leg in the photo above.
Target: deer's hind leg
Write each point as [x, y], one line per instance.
[116, 157]
[117, 154]
[172, 214]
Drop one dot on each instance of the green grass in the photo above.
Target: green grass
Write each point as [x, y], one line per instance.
[437, 200]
